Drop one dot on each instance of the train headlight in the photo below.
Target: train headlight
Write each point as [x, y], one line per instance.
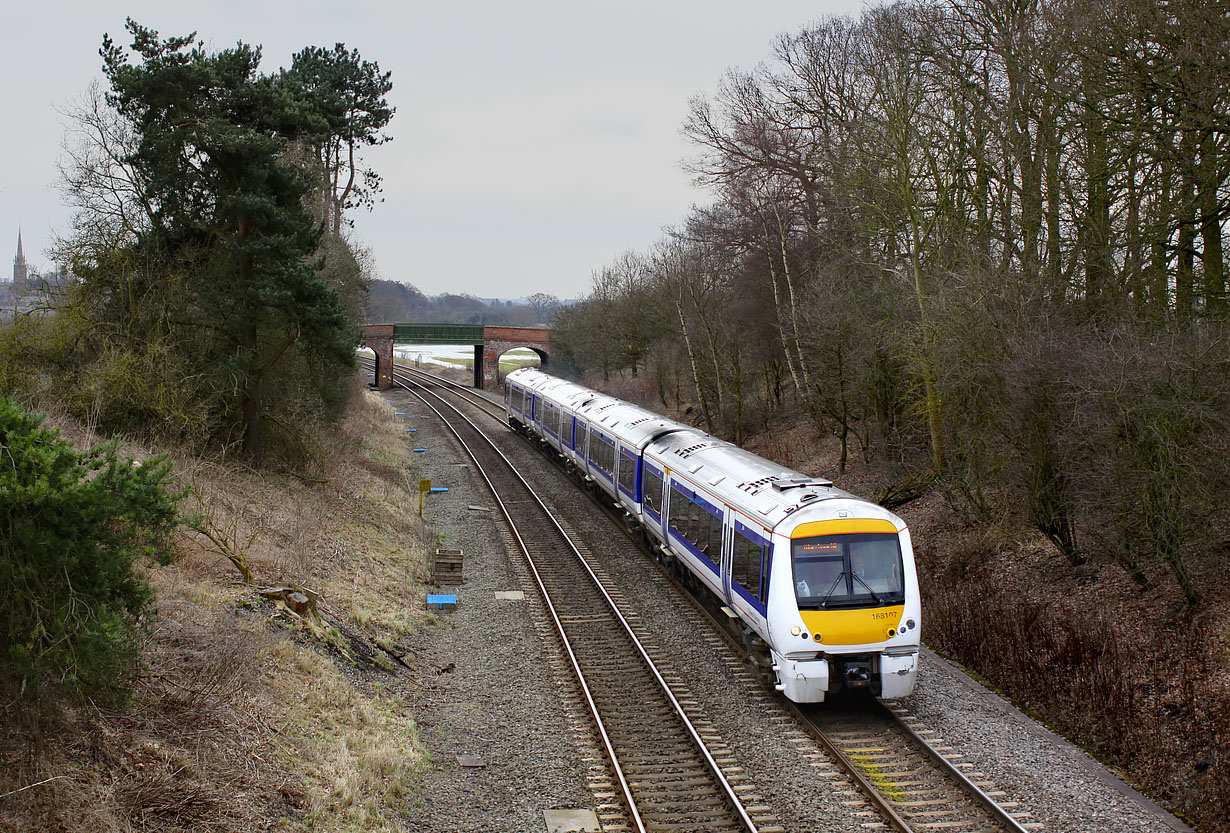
[909, 623]
[795, 630]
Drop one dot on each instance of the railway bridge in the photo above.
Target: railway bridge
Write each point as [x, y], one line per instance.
[489, 344]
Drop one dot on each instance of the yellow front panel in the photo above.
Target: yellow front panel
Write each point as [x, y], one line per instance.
[844, 526]
[859, 626]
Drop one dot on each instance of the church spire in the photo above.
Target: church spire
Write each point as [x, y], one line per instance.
[20, 271]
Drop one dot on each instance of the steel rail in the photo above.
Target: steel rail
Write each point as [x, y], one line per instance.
[714, 768]
[865, 785]
[481, 402]
[484, 404]
[861, 781]
[975, 792]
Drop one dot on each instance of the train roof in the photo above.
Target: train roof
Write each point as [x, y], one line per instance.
[777, 496]
[744, 480]
[632, 424]
[540, 382]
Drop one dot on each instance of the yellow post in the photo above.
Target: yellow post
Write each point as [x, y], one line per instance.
[424, 488]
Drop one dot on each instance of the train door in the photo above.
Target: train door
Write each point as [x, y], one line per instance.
[728, 589]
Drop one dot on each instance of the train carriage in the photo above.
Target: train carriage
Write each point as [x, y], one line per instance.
[823, 580]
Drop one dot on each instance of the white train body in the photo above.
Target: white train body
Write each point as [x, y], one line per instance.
[825, 579]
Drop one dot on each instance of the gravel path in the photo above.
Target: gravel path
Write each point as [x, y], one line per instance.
[501, 701]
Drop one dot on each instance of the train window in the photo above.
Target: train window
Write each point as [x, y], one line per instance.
[706, 530]
[859, 569]
[569, 423]
[581, 447]
[653, 489]
[602, 453]
[681, 511]
[746, 564]
[876, 566]
[627, 471]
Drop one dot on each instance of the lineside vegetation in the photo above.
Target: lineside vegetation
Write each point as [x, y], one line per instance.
[980, 248]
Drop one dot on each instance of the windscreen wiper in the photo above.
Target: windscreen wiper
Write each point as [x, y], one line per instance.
[824, 600]
[859, 579]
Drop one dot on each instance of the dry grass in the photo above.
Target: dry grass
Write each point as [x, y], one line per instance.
[240, 720]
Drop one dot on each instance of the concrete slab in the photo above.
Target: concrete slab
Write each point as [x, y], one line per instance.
[471, 761]
[510, 595]
[571, 821]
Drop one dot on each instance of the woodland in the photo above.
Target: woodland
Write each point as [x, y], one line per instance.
[395, 302]
[980, 248]
[213, 309]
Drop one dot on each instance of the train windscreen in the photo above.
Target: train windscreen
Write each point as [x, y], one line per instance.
[853, 570]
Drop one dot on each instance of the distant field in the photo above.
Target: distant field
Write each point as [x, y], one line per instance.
[463, 356]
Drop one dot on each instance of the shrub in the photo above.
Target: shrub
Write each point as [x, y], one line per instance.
[73, 526]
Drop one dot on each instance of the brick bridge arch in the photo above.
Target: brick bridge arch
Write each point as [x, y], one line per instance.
[499, 340]
[379, 339]
[494, 342]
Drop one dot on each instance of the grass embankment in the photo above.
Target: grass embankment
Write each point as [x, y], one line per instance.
[247, 716]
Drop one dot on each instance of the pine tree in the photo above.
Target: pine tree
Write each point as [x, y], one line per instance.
[73, 527]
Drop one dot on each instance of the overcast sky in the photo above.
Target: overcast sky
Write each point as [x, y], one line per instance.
[534, 140]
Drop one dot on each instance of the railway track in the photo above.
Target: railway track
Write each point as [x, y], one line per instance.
[472, 397]
[924, 786]
[913, 785]
[667, 775]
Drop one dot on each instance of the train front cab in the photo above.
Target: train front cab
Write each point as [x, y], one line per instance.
[846, 609]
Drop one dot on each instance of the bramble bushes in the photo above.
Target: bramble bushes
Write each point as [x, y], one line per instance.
[73, 526]
[1145, 695]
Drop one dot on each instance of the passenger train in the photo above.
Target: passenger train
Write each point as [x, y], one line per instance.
[823, 582]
